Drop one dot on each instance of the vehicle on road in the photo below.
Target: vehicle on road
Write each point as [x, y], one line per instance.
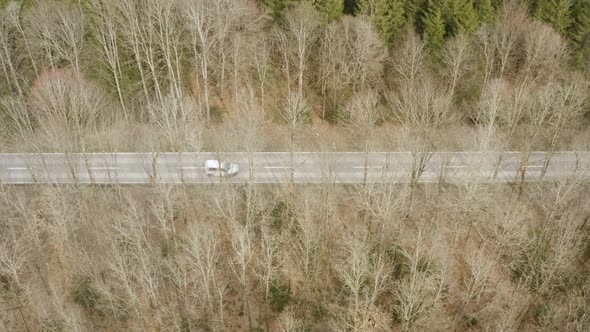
[220, 168]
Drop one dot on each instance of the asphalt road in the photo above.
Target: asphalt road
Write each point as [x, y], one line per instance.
[276, 167]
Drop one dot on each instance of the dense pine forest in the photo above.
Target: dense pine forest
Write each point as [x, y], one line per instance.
[296, 75]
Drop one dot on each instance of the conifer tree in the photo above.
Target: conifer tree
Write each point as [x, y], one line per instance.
[464, 17]
[538, 8]
[329, 9]
[276, 8]
[580, 32]
[387, 16]
[554, 12]
[413, 11]
[434, 26]
[496, 4]
[484, 9]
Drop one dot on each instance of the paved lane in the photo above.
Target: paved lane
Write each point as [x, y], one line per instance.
[278, 167]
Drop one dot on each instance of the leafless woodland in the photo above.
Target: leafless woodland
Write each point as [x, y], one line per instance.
[221, 75]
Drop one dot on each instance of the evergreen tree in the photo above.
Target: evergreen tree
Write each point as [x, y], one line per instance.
[329, 9]
[414, 10]
[485, 10]
[387, 16]
[276, 8]
[554, 12]
[497, 3]
[434, 26]
[461, 16]
[350, 7]
[537, 8]
[580, 32]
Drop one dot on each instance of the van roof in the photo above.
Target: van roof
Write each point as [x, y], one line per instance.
[212, 163]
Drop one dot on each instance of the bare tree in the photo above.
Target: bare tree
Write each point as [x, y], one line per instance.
[480, 277]
[408, 62]
[67, 108]
[351, 56]
[13, 11]
[382, 204]
[165, 208]
[60, 34]
[136, 264]
[297, 38]
[501, 107]
[199, 22]
[364, 115]
[520, 104]
[358, 267]
[179, 121]
[421, 107]
[107, 34]
[486, 53]
[229, 17]
[506, 234]
[288, 322]
[129, 21]
[18, 128]
[152, 33]
[538, 268]
[148, 28]
[248, 128]
[420, 291]
[268, 261]
[238, 59]
[7, 58]
[545, 53]
[242, 255]
[492, 101]
[169, 39]
[203, 249]
[571, 99]
[507, 33]
[332, 57]
[261, 49]
[366, 52]
[456, 56]
[295, 114]
[242, 246]
[14, 257]
[308, 244]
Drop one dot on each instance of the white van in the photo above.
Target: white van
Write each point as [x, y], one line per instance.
[217, 168]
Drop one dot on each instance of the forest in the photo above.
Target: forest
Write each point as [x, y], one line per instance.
[296, 75]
